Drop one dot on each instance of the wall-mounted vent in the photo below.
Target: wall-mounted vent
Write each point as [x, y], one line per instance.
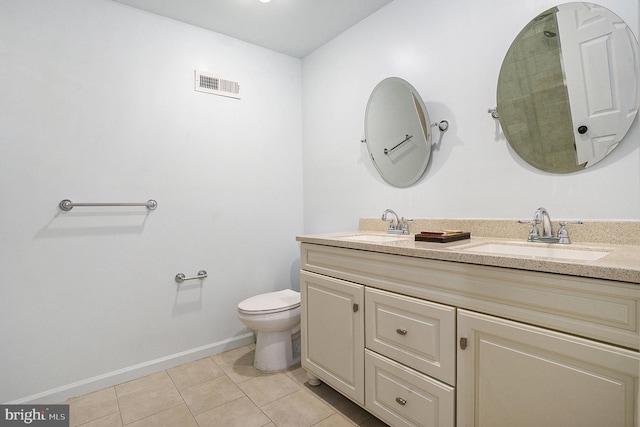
[209, 83]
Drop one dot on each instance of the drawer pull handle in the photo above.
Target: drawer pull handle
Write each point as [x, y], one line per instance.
[401, 331]
[401, 401]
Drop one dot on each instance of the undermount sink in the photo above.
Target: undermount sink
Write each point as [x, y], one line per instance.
[374, 238]
[533, 250]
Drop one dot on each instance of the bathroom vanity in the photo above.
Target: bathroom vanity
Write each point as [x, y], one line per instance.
[431, 334]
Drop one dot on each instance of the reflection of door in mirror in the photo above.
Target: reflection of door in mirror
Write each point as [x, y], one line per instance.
[568, 91]
[590, 36]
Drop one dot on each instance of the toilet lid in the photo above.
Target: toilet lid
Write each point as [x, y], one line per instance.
[272, 302]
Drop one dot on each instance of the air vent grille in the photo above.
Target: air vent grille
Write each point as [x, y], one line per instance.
[209, 83]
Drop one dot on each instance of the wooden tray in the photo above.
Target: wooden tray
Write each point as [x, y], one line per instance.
[445, 238]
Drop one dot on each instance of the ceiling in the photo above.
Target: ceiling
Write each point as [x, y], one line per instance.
[292, 27]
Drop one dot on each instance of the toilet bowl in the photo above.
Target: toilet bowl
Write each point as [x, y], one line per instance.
[275, 316]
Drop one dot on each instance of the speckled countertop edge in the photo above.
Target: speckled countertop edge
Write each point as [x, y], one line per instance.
[622, 263]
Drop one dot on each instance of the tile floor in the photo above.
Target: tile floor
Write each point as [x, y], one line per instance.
[222, 390]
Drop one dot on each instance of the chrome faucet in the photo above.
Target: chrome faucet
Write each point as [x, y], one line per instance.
[397, 225]
[541, 216]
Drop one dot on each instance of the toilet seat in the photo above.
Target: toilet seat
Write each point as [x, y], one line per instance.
[272, 302]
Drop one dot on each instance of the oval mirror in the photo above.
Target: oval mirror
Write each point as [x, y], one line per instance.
[397, 132]
[568, 87]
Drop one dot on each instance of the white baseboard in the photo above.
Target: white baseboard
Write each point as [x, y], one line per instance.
[60, 394]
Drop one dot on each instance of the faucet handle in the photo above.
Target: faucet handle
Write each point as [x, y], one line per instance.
[563, 234]
[533, 232]
[563, 223]
[405, 225]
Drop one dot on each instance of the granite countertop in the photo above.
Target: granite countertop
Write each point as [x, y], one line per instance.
[621, 264]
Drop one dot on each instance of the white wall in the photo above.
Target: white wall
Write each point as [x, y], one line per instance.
[98, 105]
[451, 52]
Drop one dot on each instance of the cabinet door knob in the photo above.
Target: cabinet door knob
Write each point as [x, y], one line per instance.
[401, 401]
[355, 308]
[401, 331]
[463, 343]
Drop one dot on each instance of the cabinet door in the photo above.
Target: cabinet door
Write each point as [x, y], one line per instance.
[332, 327]
[511, 374]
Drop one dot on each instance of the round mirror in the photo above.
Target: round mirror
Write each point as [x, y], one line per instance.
[568, 87]
[397, 132]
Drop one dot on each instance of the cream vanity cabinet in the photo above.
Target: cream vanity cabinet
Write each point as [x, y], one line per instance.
[422, 342]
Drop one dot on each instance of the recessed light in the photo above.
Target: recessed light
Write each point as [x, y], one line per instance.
[264, 1]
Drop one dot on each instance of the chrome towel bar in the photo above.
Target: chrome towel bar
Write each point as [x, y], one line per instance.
[406, 138]
[180, 277]
[67, 205]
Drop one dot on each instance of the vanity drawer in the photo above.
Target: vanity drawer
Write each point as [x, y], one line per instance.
[401, 396]
[418, 333]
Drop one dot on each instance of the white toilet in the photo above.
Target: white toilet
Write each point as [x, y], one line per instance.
[275, 316]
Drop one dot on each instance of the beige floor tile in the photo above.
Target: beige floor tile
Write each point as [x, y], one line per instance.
[92, 406]
[267, 388]
[238, 413]
[178, 416]
[241, 373]
[374, 422]
[296, 371]
[112, 420]
[318, 390]
[194, 373]
[346, 407]
[238, 364]
[211, 394]
[150, 381]
[299, 375]
[142, 403]
[232, 356]
[222, 390]
[300, 409]
[335, 420]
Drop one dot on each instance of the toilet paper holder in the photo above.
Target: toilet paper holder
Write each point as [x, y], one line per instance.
[180, 277]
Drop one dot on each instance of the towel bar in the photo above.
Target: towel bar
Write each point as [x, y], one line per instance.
[67, 205]
[180, 277]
